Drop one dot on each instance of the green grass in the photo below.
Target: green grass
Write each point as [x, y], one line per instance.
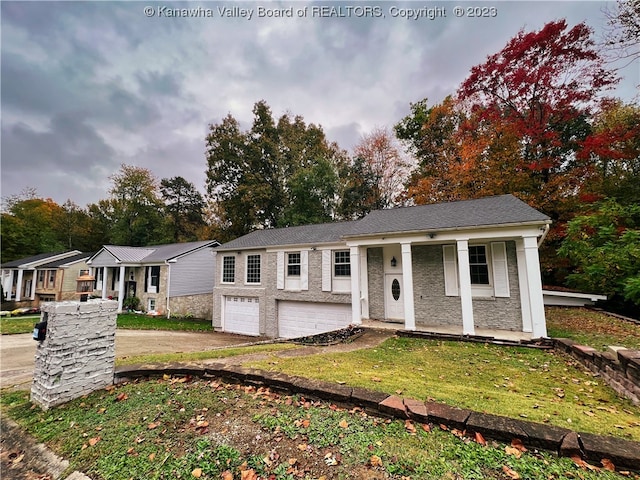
[592, 328]
[536, 385]
[150, 430]
[11, 325]
[143, 322]
[206, 355]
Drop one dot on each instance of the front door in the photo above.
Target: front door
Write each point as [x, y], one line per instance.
[393, 297]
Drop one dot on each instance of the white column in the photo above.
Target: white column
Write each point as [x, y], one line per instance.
[523, 281]
[8, 284]
[34, 274]
[354, 258]
[364, 283]
[407, 286]
[464, 280]
[19, 286]
[539, 323]
[104, 283]
[121, 289]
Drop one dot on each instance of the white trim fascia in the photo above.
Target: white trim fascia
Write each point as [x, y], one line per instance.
[590, 296]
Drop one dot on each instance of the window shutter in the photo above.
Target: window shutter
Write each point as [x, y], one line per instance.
[280, 270]
[304, 270]
[326, 270]
[450, 271]
[500, 271]
[146, 279]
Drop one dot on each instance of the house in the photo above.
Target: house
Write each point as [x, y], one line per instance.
[468, 264]
[174, 279]
[47, 277]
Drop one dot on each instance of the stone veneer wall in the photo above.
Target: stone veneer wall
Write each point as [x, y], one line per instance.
[198, 306]
[78, 354]
[619, 367]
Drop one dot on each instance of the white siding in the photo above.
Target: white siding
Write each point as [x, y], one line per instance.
[193, 274]
[104, 259]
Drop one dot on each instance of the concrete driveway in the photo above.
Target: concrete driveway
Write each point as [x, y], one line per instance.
[17, 352]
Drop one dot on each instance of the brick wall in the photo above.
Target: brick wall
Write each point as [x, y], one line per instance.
[77, 357]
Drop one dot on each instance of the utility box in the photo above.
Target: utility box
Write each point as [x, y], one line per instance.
[77, 354]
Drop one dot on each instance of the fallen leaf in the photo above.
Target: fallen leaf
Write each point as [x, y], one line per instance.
[226, 475]
[513, 451]
[343, 424]
[375, 461]
[293, 461]
[376, 379]
[197, 472]
[426, 427]
[517, 443]
[608, 465]
[480, 439]
[248, 474]
[408, 424]
[151, 426]
[510, 473]
[588, 413]
[121, 396]
[302, 447]
[18, 459]
[152, 456]
[94, 440]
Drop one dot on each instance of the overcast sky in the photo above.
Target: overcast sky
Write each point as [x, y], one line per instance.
[87, 86]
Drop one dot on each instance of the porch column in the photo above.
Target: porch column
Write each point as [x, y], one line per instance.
[532, 261]
[523, 281]
[34, 276]
[19, 286]
[121, 289]
[104, 283]
[354, 254]
[468, 327]
[407, 286]
[8, 285]
[364, 283]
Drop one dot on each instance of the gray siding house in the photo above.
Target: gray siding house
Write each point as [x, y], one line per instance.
[175, 279]
[468, 264]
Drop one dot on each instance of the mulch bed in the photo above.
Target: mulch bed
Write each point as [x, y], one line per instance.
[344, 335]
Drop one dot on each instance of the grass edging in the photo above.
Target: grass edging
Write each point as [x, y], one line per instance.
[564, 442]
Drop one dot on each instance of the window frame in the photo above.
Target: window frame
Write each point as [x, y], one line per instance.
[294, 265]
[231, 270]
[253, 274]
[344, 254]
[479, 265]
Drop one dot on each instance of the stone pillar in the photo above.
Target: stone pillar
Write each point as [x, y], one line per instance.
[78, 354]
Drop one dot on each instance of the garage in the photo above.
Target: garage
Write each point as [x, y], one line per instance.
[241, 315]
[299, 319]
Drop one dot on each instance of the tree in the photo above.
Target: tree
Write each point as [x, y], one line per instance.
[134, 209]
[183, 206]
[358, 195]
[604, 245]
[381, 154]
[622, 38]
[255, 176]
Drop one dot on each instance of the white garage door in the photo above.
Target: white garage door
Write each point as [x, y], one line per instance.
[242, 315]
[299, 319]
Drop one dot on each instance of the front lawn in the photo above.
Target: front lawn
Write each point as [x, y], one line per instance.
[536, 385]
[177, 428]
[589, 327]
[136, 321]
[12, 325]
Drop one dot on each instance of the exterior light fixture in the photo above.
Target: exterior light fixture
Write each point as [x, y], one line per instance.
[394, 262]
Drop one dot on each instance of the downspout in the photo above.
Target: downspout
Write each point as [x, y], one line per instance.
[544, 234]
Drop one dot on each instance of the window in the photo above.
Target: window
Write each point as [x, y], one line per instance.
[41, 278]
[152, 304]
[52, 278]
[341, 263]
[152, 282]
[293, 264]
[478, 265]
[253, 268]
[228, 269]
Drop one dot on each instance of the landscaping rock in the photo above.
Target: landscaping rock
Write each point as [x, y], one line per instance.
[393, 406]
[544, 436]
[451, 416]
[497, 427]
[364, 397]
[623, 453]
[416, 410]
[570, 445]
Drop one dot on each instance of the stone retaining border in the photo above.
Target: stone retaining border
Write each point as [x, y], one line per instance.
[624, 454]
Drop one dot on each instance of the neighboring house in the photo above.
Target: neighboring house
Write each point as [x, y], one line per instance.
[174, 279]
[471, 264]
[48, 277]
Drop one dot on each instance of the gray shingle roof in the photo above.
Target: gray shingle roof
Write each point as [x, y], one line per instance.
[300, 235]
[41, 257]
[65, 261]
[155, 254]
[488, 211]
